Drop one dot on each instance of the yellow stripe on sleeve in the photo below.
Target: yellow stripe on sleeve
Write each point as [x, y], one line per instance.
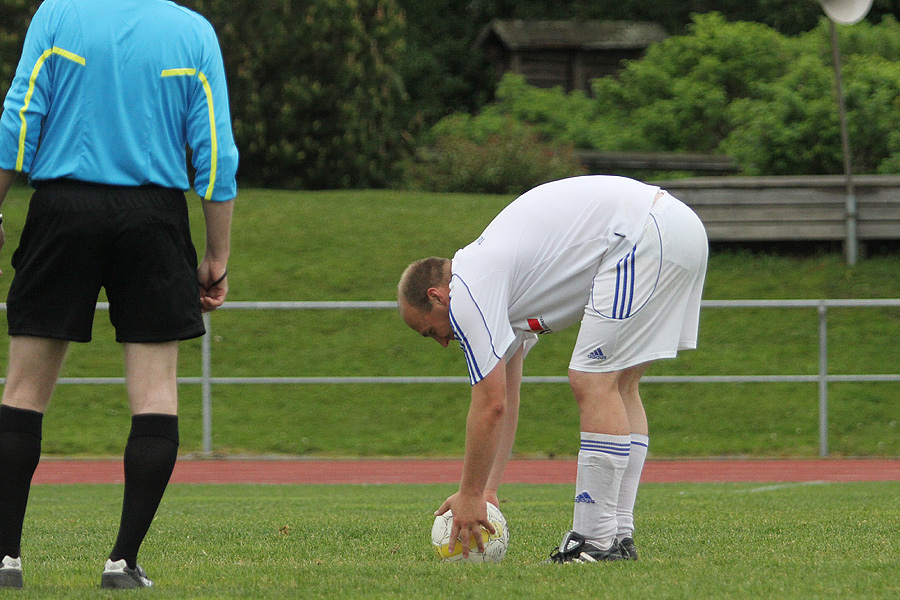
[212, 137]
[212, 122]
[177, 72]
[23, 132]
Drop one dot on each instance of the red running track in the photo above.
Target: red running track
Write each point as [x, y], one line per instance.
[384, 471]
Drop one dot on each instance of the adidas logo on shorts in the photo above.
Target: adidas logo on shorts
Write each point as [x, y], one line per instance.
[597, 355]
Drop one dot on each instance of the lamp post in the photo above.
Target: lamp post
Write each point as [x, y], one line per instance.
[845, 12]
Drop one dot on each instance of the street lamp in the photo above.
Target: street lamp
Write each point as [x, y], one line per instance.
[845, 12]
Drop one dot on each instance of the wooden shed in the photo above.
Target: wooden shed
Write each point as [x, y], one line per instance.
[565, 53]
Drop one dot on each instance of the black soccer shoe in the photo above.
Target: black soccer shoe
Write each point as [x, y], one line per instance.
[119, 576]
[11, 573]
[575, 549]
[628, 549]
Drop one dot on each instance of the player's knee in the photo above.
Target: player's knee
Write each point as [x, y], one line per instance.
[589, 387]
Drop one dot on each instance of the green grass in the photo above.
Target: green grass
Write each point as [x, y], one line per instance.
[352, 245]
[696, 541]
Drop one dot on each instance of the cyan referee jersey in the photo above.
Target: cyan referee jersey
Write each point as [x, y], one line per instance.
[112, 91]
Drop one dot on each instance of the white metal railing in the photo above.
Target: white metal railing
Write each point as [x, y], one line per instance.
[823, 377]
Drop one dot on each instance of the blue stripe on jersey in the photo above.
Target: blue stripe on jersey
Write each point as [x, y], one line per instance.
[614, 448]
[475, 373]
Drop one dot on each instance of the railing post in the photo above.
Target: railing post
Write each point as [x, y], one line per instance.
[823, 380]
[206, 386]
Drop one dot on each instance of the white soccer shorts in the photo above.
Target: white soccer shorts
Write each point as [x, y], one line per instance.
[646, 306]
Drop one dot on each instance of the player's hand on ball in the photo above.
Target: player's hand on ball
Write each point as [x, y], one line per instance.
[469, 516]
[495, 544]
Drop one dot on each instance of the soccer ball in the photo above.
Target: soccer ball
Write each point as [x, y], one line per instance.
[495, 545]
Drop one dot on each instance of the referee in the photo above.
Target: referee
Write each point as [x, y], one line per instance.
[106, 98]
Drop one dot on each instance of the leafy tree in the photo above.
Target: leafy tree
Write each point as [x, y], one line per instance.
[737, 88]
[15, 15]
[792, 129]
[316, 99]
[793, 126]
[442, 70]
[445, 74]
[677, 96]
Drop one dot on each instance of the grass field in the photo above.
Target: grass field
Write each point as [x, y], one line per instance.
[696, 541]
[352, 245]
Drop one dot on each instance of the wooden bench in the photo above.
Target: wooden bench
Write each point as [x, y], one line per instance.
[808, 208]
[596, 161]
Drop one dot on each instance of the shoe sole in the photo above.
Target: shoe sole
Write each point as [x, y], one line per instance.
[118, 581]
[11, 578]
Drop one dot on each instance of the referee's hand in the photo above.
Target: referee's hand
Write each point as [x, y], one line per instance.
[213, 282]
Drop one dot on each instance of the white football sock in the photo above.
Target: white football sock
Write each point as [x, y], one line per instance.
[601, 464]
[628, 489]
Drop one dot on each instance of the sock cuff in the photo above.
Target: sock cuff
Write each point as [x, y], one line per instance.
[639, 439]
[615, 445]
[153, 425]
[21, 420]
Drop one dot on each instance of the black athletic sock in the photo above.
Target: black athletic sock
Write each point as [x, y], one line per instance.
[20, 451]
[149, 460]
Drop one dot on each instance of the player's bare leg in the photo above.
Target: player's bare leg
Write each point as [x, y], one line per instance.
[602, 460]
[613, 448]
[629, 382]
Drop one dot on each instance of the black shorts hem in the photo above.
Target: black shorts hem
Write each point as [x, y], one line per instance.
[53, 335]
[161, 338]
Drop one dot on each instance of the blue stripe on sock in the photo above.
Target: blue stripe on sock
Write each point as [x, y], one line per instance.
[614, 448]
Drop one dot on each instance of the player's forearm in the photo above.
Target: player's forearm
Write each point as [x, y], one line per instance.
[504, 448]
[482, 435]
[484, 427]
[508, 426]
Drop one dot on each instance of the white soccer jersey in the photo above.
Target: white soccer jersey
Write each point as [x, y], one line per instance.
[531, 269]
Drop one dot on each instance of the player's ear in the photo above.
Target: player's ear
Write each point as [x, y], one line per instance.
[435, 295]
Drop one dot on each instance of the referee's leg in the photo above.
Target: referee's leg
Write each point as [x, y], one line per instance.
[34, 365]
[152, 448]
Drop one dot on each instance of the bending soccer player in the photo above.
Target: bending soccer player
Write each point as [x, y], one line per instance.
[626, 260]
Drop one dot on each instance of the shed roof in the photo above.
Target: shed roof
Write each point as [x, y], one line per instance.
[583, 35]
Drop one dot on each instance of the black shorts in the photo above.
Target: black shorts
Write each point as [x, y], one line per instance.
[133, 241]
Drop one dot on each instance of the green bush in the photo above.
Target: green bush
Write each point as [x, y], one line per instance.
[491, 154]
[792, 125]
[676, 98]
[555, 114]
